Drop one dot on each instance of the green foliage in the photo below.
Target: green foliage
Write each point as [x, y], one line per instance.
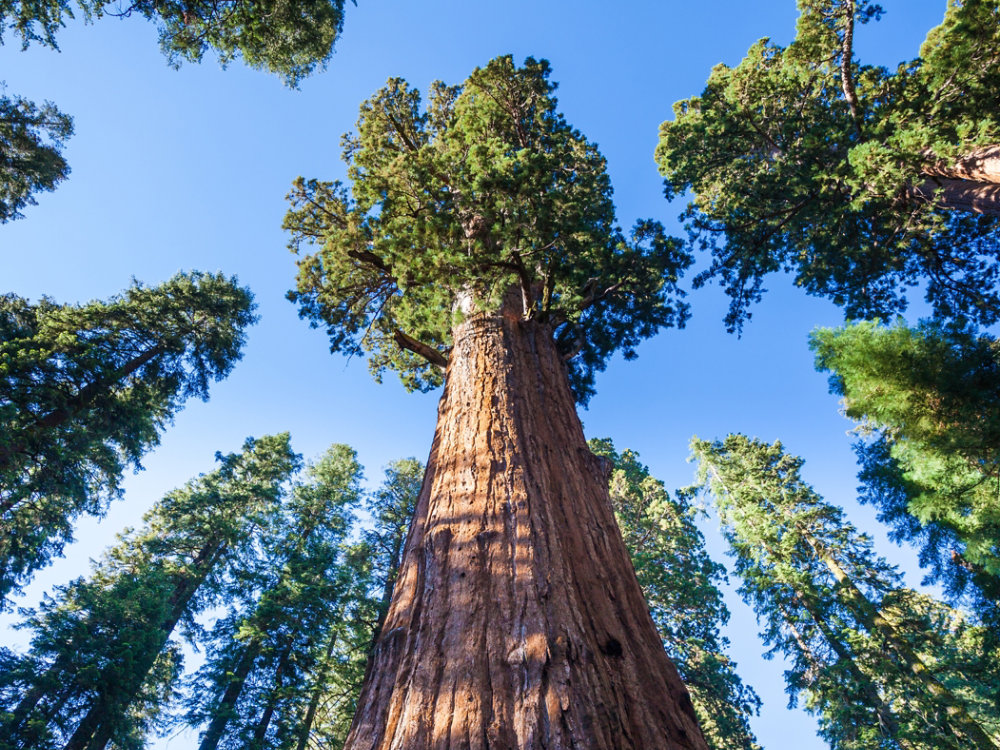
[284, 667]
[680, 583]
[101, 666]
[927, 397]
[454, 208]
[31, 139]
[87, 389]
[288, 38]
[263, 656]
[792, 173]
[883, 666]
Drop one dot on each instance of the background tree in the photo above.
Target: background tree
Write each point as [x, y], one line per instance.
[680, 583]
[31, 141]
[860, 180]
[289, 39]
[882, 665]
[479, 236]
[87, 390]
[101, 664]
[256, 683]
[374, 564]
[926, 400]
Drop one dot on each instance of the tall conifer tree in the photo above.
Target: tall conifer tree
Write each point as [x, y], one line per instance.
[86, 391]
[255, 685]
[477, 246]
[883, 666]
[101, 663]
[927, 398]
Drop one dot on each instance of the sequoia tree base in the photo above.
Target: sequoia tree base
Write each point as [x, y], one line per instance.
[517, 621]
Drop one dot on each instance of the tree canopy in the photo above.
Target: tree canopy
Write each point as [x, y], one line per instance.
[484, 192]
[87, 389]
[861, 181]
[926, 398]
[288, 39]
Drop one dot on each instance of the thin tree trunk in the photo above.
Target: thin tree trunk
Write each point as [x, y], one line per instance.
[963, 726]
[260, 731]
[226, 709]
[517, 620]
[888, 724]
[306, 726]
[95, 729]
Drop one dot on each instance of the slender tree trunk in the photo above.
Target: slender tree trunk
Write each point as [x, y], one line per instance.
[317, 693]
[517, 620]
[888, 724]
[95, 729]
[963, 726]
[226, 709]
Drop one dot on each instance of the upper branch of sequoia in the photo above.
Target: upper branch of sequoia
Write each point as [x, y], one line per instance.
[482, 196]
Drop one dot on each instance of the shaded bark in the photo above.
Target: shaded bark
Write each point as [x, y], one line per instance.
[971, 184]
[516, 619]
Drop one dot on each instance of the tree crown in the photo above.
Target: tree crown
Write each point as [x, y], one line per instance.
[801, 159]
[454, 207]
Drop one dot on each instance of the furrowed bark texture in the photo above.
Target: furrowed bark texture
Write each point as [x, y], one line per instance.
[517, 621]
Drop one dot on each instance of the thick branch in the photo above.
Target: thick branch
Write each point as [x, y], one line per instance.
[429, 353]
[981, 165]
[961, 195]
[846, 55]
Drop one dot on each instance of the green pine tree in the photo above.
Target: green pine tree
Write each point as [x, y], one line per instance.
[860, 180]
[883, 666]
[255, 685]
[31, 140]
[926, 398]
[680, 582]
[87, 390]
[102, 663]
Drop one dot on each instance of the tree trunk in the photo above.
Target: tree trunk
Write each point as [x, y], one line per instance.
[226, 709]
[961, 724]
[517, 620]
[971, 184]
[95, 730]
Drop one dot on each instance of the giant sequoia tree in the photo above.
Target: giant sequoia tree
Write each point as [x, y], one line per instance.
[477, 246]
[860, 180]
[85, 391]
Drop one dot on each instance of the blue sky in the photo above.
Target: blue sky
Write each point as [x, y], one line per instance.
[187, 169]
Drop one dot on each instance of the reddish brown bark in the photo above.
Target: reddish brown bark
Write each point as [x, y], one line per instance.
[517, 620]
[971, 184]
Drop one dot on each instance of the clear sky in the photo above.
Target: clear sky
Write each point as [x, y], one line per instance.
[188, 169]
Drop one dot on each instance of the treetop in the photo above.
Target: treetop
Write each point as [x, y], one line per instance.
[451, 204]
